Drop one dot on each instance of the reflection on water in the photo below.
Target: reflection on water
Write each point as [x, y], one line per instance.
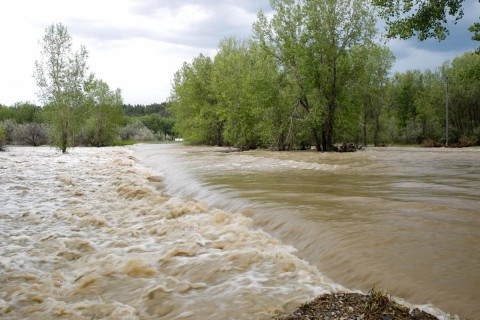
[402, 219]
[90, 235]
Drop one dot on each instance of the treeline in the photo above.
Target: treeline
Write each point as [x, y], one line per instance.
[142, 110]
[25, 123]
[416, 104]
[313, 75]
[147, 122]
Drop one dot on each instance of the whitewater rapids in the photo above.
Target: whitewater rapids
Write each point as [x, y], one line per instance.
[91, 235]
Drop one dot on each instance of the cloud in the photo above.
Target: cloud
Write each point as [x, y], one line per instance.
[430, 54]
[192, 23]
[137, 45]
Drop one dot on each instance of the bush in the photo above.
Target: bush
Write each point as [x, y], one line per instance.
[3, 140]
[136, 131]
[412, 133]
[467, 141]
[9, 126]
[429, 143]
[33, 134]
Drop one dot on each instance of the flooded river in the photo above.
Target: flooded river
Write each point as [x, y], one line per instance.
[91, 235]
[402, 219]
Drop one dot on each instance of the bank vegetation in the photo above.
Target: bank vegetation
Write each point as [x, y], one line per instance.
[314, 75]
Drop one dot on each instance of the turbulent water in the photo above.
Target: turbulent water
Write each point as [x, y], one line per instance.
[402, 219]
[91, 235]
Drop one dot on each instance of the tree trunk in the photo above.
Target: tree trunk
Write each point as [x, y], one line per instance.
[377, 129]
[219, 132]
[64, 138]
[365, 126]
[317, 140]
[331, 109]
[324, 140]
[64, 143]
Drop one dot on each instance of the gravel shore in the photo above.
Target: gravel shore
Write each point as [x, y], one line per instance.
[353, 306]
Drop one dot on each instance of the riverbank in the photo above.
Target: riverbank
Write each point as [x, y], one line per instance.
[355, 306]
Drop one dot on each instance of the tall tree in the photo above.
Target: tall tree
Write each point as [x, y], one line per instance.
[60, 76]
[246, 82]
[194, 103]
[408, 88]
[371, 85]
[311, 40]
[105, 109]
[464, 78]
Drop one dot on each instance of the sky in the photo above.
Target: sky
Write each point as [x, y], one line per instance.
[138, 45]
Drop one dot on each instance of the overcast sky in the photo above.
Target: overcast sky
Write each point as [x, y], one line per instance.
[137, 45]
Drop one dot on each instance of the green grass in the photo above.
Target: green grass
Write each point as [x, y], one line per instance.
[123, 143]
[132, 142]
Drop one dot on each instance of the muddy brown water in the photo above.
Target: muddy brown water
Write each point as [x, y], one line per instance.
[91, 235]
[406, 220]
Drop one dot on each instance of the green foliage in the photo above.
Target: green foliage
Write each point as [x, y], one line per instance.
[198, 117]
[311, 41]
[60, 76]
[21, 112]
[464, 110]
[247, 87]
[9, 126]
[136, 131]
[5, 113]
[475, 28]
[79, 109]
[3, 139]
[162, 127]
[418, 99]
[123, 143]
[32, 133]
[141, 110]
[369, 92]
[105, 110]
[424, 19]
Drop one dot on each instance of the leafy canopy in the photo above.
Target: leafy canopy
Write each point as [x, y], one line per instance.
[422, 18]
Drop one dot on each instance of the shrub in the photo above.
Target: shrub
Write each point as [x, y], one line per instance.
[136, 131]
[429, 143]
[9, 127]
[33, 134]
[467, 141]
[3, 140]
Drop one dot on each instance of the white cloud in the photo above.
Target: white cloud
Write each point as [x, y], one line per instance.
[137, 45]
[134, 45]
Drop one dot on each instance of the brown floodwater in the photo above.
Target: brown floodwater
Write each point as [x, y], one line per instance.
[91, 234]
[406, 220]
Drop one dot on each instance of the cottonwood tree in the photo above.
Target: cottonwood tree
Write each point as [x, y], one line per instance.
[246, 83]
[194, 103]
[60, 75]
[371, 87]
[464, 106]
[105, 109]
[310, 40]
